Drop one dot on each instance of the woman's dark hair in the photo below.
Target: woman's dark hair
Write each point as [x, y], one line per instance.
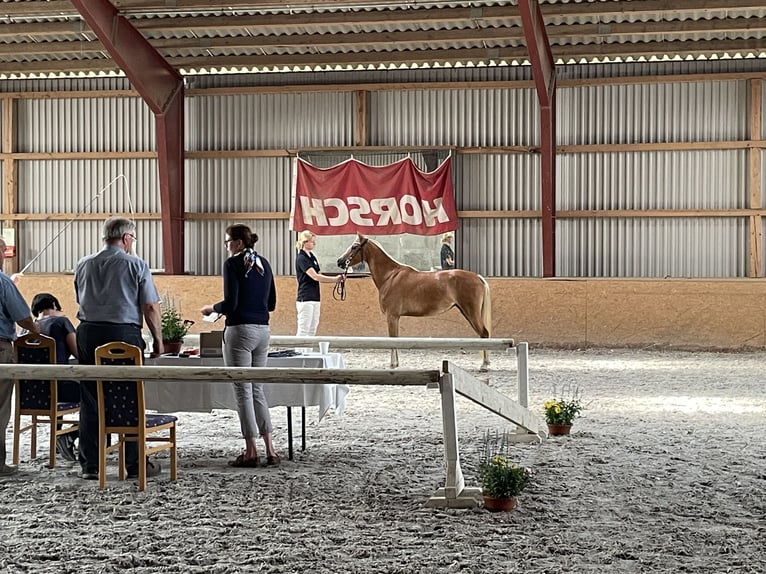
[43, 301]
[243, 233]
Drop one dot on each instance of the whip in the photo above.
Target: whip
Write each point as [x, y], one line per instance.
[76, 217]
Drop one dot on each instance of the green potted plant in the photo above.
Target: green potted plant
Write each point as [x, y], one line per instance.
[501, 480]
[174, 327]
[560, 413]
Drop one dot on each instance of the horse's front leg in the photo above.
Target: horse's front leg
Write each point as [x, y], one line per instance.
[484, 361]
[393, 331]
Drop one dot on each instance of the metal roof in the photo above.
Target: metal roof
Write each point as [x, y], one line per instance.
[49, 37]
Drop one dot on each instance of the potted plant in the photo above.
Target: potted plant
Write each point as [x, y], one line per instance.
[561, 413]
[501, 480]
[174, 327]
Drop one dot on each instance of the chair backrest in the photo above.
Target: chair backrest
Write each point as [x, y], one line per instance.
[123, 404]
[35, 349]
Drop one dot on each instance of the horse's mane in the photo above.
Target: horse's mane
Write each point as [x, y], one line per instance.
[387, 254]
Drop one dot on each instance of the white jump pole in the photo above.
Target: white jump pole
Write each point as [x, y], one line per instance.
[439, 343]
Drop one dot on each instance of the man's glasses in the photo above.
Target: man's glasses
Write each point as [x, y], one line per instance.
[133, 235]
[227, 241]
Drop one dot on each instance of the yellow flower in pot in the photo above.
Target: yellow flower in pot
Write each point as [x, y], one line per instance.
[501, 480]
[561, 413]
[174, 327]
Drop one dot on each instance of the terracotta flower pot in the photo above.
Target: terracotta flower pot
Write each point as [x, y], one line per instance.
[558, 430]
[499, 504]
[172, 347]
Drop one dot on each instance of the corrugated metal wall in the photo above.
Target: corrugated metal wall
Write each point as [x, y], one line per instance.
[462, 118]
[651, 113]
[652, 247]
[207, 252]
[654, 180]
[84, 125]
[83, 187]
[236, 185]
[270, 121]
[603, 180]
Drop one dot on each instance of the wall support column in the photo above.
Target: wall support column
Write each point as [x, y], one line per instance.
[10, 184]
[162, 88]
[755, 181]
[544, 73]
[362, 124]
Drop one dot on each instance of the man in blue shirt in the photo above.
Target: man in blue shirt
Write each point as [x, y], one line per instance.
[13, 310]
[116, 293]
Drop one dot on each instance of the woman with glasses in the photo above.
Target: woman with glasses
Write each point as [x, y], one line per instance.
[249, 295]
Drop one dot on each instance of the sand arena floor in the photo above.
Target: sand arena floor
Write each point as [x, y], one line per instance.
[665, 472]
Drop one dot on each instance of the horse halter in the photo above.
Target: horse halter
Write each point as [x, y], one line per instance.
[339, 290]
[355, 248]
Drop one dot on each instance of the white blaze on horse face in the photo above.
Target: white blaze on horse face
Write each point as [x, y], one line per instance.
[352, 252]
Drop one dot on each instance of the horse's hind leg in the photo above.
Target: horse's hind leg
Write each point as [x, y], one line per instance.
[474, 317]
[393, 331]
[484, 360]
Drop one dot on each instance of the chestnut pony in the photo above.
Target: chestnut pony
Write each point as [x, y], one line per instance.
[405, 291]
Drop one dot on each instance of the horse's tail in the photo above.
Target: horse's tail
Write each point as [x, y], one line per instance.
[486, 307]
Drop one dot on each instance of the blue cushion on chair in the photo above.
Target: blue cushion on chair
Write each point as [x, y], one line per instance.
[66, 406]
[157, 420]
[122, 406]
[35, 394]
[121, 396]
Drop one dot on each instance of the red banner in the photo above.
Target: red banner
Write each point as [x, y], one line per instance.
[354, 197]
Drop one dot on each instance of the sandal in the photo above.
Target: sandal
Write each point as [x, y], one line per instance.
[273, 460]
[243, 462]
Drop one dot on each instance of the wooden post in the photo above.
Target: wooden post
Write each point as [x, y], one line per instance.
[755, 178]
[10, 186]
[362, 124]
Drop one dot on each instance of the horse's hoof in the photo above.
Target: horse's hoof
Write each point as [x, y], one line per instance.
[484, 368]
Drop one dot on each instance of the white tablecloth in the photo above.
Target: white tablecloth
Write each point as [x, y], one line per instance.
[203, 396]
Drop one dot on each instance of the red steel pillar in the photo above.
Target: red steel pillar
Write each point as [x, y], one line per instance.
[162, 88]
[544, 73]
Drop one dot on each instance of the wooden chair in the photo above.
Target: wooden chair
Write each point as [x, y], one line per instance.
[39, 398]
[121, 411]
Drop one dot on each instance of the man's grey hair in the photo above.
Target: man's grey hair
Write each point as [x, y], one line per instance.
[116, 227]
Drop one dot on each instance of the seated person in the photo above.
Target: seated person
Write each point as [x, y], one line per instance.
[53, 323]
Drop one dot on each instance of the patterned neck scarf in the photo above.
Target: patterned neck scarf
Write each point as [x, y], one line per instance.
[252, 260]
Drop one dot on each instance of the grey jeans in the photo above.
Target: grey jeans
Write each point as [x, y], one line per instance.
[248, 346]
[6, 393]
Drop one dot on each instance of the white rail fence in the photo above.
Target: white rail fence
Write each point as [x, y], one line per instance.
[450, 380]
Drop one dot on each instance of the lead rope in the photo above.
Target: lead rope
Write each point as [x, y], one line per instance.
[339, 289]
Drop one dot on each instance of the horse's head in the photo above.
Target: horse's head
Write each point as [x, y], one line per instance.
[354, 255]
